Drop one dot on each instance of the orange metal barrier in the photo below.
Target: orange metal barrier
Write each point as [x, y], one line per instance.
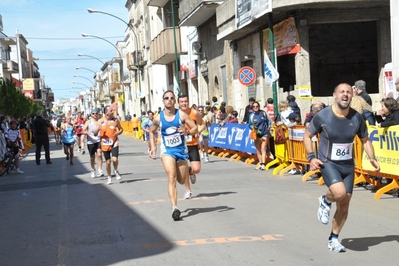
[24, 137]
[295, 149]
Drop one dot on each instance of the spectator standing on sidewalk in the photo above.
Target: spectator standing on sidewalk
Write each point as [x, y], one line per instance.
[248, 110]
[259, 120]
[360, 89]
[40, 131]
[128, 117]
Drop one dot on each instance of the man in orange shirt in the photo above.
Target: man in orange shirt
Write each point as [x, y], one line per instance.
[109, 129]
[135, 124]
[192, 143]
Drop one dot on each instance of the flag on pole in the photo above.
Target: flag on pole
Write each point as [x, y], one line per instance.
[176, 89]
[121, 98]
[271, 74]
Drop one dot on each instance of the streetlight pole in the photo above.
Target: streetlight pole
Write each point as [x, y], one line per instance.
[120, 56]
[86, 69]
[94, 84]
[81, 84]
[77, 76]
[101, 38]
[90, 10]
[175, 45]
[102, 63]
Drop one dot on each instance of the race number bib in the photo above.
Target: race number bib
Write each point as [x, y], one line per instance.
[189, 138]
[108, 142]
[341, 151]
[173, 140]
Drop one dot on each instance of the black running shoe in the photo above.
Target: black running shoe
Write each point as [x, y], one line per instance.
[175, 213]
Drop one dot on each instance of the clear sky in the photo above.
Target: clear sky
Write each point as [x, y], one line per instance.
[53, 30]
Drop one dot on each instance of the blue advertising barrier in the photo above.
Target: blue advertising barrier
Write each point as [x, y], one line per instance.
[232, 136]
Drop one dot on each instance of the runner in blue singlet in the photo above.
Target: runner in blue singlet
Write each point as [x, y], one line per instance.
[174, 153]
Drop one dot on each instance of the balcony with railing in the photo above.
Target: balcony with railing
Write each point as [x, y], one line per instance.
[158, 3]
[196, 12]
[162, 47]
[10, 67]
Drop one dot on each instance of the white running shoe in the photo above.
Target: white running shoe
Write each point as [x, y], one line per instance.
[118, 176]
[202, 155]
[323, 213]
[100, 173]
[335, 245]
[206, 158]
[19, 171]
[93, 174]
[79, 150]
[292, 171]
[259, 167]
[188, 194]
[262, 167]
[109, 182]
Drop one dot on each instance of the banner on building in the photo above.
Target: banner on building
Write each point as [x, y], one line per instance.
[232, 136]
[28, 84]
[193, 71]
[29, 94]
[286, 38]
[184, 62]
[389, 86]
[249, 10]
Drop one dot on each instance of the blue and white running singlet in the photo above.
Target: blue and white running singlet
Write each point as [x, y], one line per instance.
[172, 142]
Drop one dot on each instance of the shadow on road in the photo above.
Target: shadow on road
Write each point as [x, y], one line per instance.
[57, 215]
[214, 194]
[364, 243]
[194, 211]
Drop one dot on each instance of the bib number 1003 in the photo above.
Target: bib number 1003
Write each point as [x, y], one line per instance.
[173, 140]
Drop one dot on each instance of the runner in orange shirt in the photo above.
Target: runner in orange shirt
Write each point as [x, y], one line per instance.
[109, 129]
[192, 143]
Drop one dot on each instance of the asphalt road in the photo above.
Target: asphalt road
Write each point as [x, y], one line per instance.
[57, 215]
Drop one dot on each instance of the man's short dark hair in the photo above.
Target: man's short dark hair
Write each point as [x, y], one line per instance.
[252, 99]
[214, 99]
[270, 101]
[291, 98]
[234, 113]
[181, 96]
[207, 102]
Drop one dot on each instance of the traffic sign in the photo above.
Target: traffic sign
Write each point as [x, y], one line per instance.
[246, 76]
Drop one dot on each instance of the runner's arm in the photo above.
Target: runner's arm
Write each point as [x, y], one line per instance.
[200, 122]
[186, 120]
[153, 131]
[84, 130]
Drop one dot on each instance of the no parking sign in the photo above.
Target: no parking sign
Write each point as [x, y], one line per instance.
[247, 76]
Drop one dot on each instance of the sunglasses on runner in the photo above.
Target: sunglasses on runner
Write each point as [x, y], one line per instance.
[169, 98]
